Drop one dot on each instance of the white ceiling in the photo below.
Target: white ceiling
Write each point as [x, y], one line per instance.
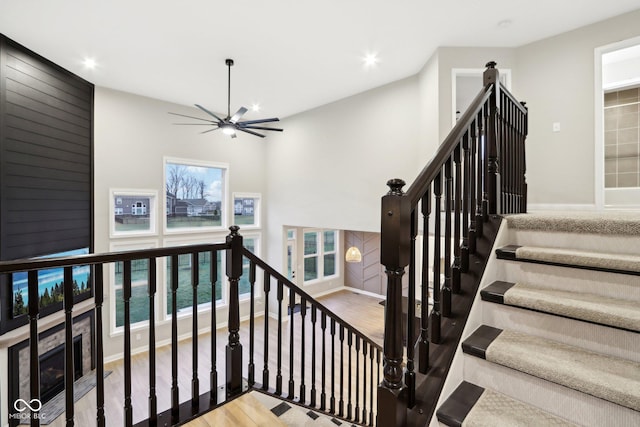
[291, 55]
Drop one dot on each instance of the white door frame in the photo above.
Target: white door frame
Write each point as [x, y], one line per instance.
[599, 118]
[505, 78]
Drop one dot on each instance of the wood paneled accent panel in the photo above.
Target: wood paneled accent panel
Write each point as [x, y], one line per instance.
[46, 149]
[367, 275]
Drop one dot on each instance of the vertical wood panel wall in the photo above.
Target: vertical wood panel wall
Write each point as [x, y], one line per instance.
[46, 156]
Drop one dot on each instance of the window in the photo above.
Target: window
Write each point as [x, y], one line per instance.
[184, 294]
[195, 195]
[246, 210]
[139, 302]
[320, 254]
[244, 285]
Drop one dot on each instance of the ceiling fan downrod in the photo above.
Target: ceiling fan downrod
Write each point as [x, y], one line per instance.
[229, 63]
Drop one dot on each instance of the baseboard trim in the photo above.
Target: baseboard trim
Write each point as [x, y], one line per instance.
[532, 207]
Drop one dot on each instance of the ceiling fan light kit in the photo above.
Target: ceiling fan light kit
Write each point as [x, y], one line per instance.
[230, 124]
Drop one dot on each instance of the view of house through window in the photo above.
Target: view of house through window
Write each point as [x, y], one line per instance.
[320, 252]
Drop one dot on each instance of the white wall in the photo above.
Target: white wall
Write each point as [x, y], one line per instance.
[329, 168]
[133, 134]
[556, 78]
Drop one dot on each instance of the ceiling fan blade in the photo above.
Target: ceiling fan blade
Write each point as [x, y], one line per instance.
[251, 122]
[251, 132]
[210, 130]
[261, 128]
[238, 115]
[192, 117]
[196, 124]
[208, 112]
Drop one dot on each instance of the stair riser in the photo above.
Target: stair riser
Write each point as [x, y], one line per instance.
[585, 242]
[564, 402]
[571, 279]
[598, 338]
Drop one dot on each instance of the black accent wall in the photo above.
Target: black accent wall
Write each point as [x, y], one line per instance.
[46, 144]
[46, 164]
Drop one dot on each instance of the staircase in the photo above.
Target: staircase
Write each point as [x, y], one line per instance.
[554, 336]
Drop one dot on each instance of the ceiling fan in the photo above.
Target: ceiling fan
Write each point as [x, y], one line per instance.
[230, 124]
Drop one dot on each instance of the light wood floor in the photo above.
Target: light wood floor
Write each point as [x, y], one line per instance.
[363, 312]
[244, 411]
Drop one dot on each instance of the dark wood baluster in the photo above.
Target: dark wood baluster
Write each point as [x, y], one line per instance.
[457, 202]
[523, 166]
[357, 409]
[265, 368]
[446, 289]
[371, 386]
[423, 356]
[303, 349]
[350, 375]
[292, 303]
[364, 381]
[476, 133]
[323, 394]
[99, 300]
[213, 374]
[410, 375]
[279, 369]
[435, 311]
[490, 200]
[313, 355]
[332, 400]
[252, 314]
[394, 255]
[234, 347]
[378, 357]
[480, 173]
[34, 357]
[466, 156]
[195, 382]
[151, 293]
[175, 391]
[341, 402]
[126, 292]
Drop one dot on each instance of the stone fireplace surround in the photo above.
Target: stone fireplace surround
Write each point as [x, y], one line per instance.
[83, 325]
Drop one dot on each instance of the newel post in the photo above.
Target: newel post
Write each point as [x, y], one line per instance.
[394, 255]
[234, 348]
[491, 76]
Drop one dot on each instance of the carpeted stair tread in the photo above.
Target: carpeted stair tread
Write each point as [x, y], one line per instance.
[609, 223]
[620, 263]
[619, 313]
[473, 406]
[610, 378]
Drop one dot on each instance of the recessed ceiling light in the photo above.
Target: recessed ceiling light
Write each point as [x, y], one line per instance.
[255, 107]
[370, 60]
[505, 23]
[89, 63]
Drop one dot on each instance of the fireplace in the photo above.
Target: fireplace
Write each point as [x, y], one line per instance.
[52, 369]
[51, 345]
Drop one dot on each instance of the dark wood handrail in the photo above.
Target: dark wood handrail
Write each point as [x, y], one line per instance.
[86, 259]
[280, 277]
[478, 171]
[426, 176]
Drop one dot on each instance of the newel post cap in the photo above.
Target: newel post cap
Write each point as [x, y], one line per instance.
[395, 186]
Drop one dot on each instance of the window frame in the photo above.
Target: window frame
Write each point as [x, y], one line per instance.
[320, 255]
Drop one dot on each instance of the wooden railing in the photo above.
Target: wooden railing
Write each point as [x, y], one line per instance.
[328, 365]
[477, 171]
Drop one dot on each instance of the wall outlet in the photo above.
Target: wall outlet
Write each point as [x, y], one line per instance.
[556, 127]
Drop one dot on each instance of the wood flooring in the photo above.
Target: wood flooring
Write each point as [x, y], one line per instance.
[363, 312]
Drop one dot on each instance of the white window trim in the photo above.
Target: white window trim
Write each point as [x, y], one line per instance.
[257, 209]
[320, 255]
[225, 203]
[128, 246]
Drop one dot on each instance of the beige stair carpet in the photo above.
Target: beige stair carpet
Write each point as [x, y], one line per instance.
[494, 409]
[593, 308]
[613, 379]
[625, 223]
[580, 258]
